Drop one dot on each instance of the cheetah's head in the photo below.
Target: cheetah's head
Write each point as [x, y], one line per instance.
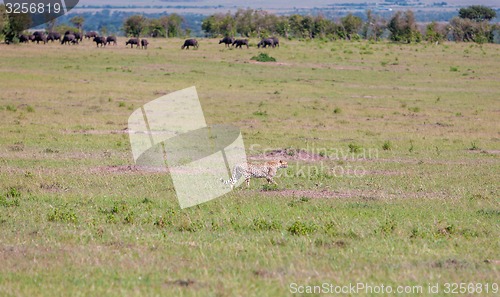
[283, 164]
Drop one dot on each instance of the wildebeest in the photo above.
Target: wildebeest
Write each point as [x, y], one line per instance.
[144, 43]
[78, 36]
[91, 34]
[31, 37]
[240, 42]
[52, 36]
[266, 42]
[227, 41]
[100, 40]
[132, 41]
[40, 37]
[190, 42]
[23, 38]
[276, 41]
[69, 38]
[111, 39]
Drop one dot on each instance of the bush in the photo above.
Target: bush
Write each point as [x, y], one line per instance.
[263, 57]
[300, 228]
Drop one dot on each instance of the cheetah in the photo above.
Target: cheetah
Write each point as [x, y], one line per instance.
[248, 170]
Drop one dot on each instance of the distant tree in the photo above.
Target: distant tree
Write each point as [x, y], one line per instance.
[320, 26]
[155, 28]
[467, 30]
[244, 22]
[78, 21]
[16, 24]
[374, 26]
[283, 26]
[211, 26]
[403, 27]
[434, 32]
[4, 19]
[134, 25]
[296, 25]
[477, 13]
[174, 25]
[351, 25]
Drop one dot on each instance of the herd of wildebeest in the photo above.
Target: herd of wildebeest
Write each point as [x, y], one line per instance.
[101, 41]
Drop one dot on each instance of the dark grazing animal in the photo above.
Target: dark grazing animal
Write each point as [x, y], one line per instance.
[240, 42]
[41, 37]
[78, 36]
[100, 40]
[144, 43]
[227, 41]
[266, 42]
[91, 34]
[276, 41]
[132, 42]
[23, 38]
[111, 39]
[190, 42]
[31, 37]
[53, 36]
[69, 38]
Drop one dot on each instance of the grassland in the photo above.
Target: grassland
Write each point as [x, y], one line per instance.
[417, 125]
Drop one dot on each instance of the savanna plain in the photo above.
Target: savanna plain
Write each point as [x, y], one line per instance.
[393, 177]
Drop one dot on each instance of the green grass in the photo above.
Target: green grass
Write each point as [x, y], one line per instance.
[403, 188]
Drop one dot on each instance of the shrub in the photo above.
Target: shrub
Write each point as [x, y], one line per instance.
[387, 146]
[60, 215]
[354, 148]
[300, 228]
[263, 57]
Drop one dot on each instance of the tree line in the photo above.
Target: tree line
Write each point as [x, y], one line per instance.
[13, 25]
[472, 24]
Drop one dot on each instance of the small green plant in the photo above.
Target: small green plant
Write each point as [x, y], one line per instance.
[260, 113]
[263, 57]
[269, 187]
[121, 104]
[453, 69]
[64, 216]
[337, 110]
[11, 107]
[5, 202]
[354, 148]
[473, 146]
[387, 227]
[129, 218]
[387, 146]
[299, 201]
[13, 192]
[301, 228]
[265, 225]
[414, 109]
[30, 108]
